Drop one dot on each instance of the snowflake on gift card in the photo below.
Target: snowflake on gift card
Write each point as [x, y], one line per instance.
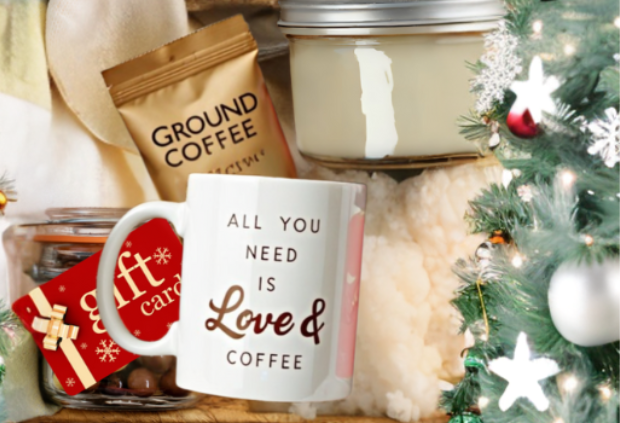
[137, 333]
[83, 345]
[62, 288]
[169, 325]
[128, 244]
[162, 255]
[108, 351]
[70, 382]
[501, 66]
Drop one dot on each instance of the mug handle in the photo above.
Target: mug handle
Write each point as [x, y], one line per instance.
[106, 302]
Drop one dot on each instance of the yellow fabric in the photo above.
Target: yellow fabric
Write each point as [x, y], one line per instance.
[23, 68]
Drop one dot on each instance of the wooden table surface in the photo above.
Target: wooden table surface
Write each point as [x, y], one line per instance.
[209, 410]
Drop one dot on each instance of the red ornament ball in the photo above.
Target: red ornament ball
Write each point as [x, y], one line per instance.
[522, 124]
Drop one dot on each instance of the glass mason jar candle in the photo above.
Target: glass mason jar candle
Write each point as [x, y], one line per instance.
[381, 84]
[39, 252]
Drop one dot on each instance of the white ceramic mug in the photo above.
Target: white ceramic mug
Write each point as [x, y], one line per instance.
[271, 271]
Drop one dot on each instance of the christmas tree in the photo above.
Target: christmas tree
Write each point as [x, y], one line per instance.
[539, 299]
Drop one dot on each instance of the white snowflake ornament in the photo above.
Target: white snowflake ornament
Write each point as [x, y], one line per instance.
[523, 375]
[502, 65]
[606, 137]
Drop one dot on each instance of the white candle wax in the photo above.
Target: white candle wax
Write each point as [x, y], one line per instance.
[377, 97]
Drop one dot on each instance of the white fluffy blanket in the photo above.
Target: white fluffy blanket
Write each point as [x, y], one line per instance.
[407, 336]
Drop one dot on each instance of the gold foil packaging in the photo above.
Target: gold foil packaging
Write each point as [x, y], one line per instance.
[200, 105]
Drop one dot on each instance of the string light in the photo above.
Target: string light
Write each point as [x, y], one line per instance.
[483, 402]
[517, 260]
[589, 240]
[484, 337]
[569, 49]
[605, 392]
[568, 178]
[570, 383]
[617, 21]
[558, 420]
[537, 26]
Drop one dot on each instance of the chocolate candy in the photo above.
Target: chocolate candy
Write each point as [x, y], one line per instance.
[158, 363]
[168, 384]
[140, 378]
[142, 382]
[113, 385]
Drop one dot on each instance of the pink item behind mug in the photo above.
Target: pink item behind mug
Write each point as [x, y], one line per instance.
[350, 295]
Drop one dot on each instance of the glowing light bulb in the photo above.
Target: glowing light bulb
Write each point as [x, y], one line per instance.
[537, 27]
[484, 337]
[517, 260]
[483, 402]
[617, 21]
[569, 49]
[605, 392]
[568, 178]
[589, 240]
[570, 383]
[558, 420]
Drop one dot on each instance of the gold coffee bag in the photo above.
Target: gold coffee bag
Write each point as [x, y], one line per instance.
[200, 105]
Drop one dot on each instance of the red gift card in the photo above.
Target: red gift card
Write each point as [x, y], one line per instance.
[62, 314]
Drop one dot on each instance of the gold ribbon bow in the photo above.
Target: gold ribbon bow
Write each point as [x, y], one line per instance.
[55, 328]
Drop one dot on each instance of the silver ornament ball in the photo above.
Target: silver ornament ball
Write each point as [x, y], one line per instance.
[584, 302]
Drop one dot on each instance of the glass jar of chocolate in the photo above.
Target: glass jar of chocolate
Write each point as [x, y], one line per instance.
[380, 84]
[38, 252]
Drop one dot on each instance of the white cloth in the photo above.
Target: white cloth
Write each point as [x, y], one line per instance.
[57, 163]
[84, 38]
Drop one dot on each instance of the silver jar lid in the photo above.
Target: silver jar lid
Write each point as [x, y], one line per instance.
[359, 14]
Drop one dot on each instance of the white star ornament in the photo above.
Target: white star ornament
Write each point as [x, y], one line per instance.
[535, 93]
[523, 375]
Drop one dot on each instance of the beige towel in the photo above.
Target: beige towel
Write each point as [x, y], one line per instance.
[23, 70]
[85, 37]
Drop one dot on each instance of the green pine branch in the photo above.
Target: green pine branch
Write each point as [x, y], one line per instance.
[551, 228]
